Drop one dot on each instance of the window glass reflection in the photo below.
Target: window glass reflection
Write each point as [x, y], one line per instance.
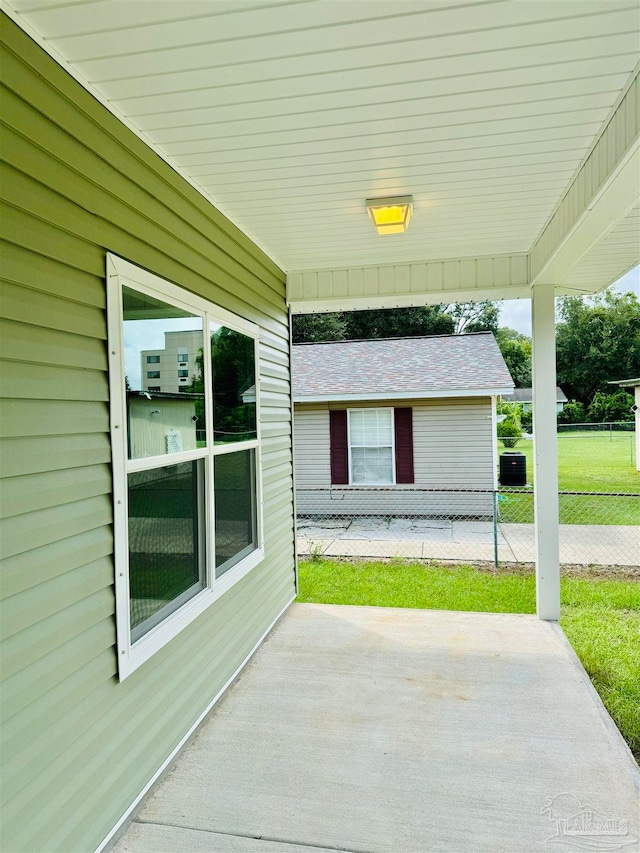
[165, 408]
[235, 502]
[166, 541]
[234, 385]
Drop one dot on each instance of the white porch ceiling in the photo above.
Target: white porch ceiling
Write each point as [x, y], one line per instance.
[616, 253]
[288, 115]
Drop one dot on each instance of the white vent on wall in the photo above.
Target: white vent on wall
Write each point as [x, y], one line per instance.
[174, 441]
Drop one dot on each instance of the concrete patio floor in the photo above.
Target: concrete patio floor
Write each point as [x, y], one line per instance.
[379, 729]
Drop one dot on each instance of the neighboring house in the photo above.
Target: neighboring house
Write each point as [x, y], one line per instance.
[382, 425]
[525, 397]
[174, 367]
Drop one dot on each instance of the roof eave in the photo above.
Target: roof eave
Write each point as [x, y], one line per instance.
[403, 395]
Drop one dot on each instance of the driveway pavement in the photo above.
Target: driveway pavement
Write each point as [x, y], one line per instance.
[441, 539]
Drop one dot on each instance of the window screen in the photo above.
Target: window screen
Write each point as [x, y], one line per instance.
[371, 446]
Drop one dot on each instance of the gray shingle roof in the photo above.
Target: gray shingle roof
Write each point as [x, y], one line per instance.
[525, 395]
[441, 365]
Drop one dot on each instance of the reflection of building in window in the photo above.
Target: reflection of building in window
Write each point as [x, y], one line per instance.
[177, 361]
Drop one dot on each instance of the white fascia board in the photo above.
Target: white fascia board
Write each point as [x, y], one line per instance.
[405, 395]
[604, 189]
[413, 300]
[612, 203]
[410, 283]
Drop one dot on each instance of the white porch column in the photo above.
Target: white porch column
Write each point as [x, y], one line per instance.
[545, 452]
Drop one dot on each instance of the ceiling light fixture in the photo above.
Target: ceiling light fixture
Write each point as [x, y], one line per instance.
[391, 215]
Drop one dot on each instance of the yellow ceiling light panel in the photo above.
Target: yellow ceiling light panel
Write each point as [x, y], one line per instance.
[391, 215]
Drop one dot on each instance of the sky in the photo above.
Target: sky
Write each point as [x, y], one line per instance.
[516, 313]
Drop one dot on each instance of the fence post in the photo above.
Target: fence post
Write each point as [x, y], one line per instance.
[495, 528]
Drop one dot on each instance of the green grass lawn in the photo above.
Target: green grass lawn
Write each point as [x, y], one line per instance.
[601, 617]
[587, 462]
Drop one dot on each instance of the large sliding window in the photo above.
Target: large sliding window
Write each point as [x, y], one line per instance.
[186, 465]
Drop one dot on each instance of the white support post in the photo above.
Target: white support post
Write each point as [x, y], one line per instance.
[545, 452]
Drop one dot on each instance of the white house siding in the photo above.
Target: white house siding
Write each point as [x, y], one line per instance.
[453, 450]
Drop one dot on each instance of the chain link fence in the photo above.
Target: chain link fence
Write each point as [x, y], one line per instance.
[469, 525]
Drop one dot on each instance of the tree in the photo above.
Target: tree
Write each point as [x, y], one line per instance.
[616, 406]
[313, 328]
[474, 317]
[598, 341]
[516, 351]
[510, 428]
[377, 323]
[233, 368]
[572, 412]
[397, 322]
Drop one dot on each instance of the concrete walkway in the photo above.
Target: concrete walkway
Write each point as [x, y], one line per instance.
[440, 539]
[377, 729]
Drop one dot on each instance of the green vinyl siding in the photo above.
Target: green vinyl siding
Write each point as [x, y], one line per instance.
[77, 745]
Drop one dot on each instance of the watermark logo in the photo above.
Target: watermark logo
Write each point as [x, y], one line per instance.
[582, 826]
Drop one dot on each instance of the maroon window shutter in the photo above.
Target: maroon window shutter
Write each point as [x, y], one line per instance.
[339, 451]
[403, 426]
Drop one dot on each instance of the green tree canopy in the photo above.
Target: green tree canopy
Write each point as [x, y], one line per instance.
[598, 341]
[377, 323]
[397, 322]
[474, 316]
[233, 369]
[615, 406]
[313, 328]
[516, 351]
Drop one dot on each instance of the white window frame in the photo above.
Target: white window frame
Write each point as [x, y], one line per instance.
[132, 654]
[393, 443]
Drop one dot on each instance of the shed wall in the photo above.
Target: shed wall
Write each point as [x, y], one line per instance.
[77, 745]
[150, 421]
[453, 449]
